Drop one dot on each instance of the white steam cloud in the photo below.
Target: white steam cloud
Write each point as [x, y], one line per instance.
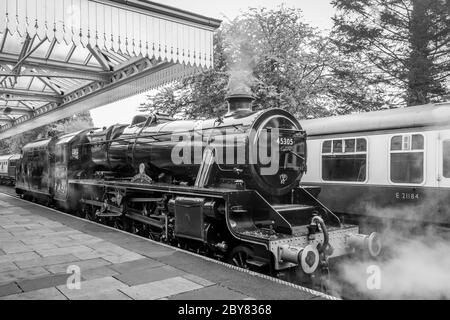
[241, 62]
[416, 265]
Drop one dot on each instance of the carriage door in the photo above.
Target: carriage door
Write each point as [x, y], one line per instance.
[444, 160]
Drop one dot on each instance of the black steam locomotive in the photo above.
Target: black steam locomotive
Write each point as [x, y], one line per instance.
[225, 187]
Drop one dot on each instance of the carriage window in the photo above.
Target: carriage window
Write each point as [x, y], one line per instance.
[345, 161]
[349, 145]
[337, 146]
[396, 143]
[407, 158]
[446, 159]
[361, 145]
[418, 142]
[326, 147]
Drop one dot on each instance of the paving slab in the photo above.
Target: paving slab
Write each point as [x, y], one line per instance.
[123, 258]
[209, 270]
[42, 294]
[16, 275]
[100, 272]
[7, 266]
[62, 251]
[142, 276]
[92, 288]
[9, 289]
[16, 248]
[210, 293]
[42, 246]
[179, 258]
[89, 255]
[83, 265]
[43, 282]
[201, 281]
[68, 242]
[160, 289]
[135, 265]
[104, 295]
[13, 257]
[47, 261]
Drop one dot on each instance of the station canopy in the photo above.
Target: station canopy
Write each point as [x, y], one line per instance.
[61, 57]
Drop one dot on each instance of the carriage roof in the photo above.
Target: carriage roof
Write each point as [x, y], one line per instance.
[5, 157]
[429, 115]
[16, 156]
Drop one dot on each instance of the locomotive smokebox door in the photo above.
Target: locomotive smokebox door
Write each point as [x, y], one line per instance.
[189, 218]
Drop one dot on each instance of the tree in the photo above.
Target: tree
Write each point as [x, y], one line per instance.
[285, 62]
[405, 44]
[75, 123]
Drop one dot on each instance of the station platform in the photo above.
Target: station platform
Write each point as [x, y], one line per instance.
[39, 244]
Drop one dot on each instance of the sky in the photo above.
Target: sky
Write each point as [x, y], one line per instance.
[317, 13]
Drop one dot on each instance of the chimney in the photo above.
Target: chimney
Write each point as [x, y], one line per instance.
[239, 102]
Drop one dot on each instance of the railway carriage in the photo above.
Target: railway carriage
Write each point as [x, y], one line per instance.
[391, 164]
[8, 165]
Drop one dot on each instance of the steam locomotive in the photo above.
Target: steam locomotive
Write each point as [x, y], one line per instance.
[226, 187]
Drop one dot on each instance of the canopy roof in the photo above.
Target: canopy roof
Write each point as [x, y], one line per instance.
[60, 57]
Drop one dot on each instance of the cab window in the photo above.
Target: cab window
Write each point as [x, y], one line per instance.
[75, 154]
[407, 159]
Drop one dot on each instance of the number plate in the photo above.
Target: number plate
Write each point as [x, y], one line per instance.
[285, 141]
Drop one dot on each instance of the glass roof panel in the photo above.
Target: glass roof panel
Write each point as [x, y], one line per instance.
[79, 55]
[13, 44]
[37, 85]
[23, 82]
[42, 50]
[93, 62]
[60, 52]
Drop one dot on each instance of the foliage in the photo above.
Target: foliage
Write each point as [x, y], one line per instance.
[287, 63]
[405, 44]
[72, 124]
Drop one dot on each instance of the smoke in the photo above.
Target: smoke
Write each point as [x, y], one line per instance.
[240, 58]
[414, 265]
[76, 124]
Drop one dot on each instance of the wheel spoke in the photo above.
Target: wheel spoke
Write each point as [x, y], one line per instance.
[241, 259]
